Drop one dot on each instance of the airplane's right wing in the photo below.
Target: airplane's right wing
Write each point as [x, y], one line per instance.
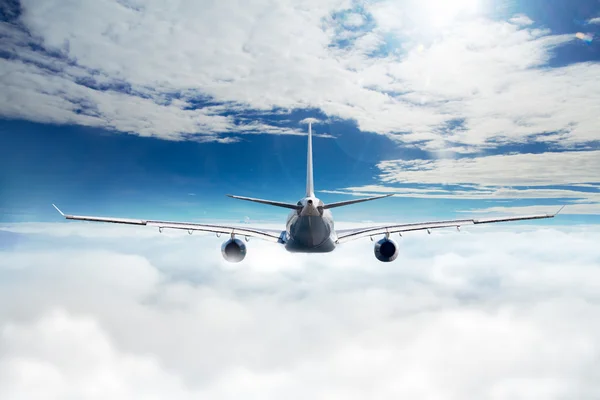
[352, 234]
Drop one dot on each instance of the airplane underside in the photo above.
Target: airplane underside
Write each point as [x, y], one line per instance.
[294, 247]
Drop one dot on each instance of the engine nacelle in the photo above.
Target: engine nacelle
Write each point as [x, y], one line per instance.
[386, 250]
[233, 250]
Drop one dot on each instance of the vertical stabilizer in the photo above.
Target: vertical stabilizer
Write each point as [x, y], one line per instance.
[310, 190]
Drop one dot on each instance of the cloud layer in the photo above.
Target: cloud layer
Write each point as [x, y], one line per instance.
[499, 313]
[406, 69]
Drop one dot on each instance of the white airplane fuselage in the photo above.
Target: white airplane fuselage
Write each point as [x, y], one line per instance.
[311, 228]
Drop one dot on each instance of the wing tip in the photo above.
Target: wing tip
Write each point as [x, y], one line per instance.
[58, 209]
[559, 210]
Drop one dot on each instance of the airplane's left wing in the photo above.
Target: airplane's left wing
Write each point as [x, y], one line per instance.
[264, 234]
[352, 234]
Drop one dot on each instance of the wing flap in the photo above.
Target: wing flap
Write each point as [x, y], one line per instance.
[269, 235]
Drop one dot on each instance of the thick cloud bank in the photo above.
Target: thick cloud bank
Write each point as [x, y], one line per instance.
[439, 75]
[96, 312]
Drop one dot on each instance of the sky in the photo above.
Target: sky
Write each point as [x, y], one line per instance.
[157, 109]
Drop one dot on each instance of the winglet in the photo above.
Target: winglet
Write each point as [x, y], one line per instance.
[555, 214]
[58, 209]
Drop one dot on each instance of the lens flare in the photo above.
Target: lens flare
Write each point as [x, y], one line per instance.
[442, 13]
[586, 37]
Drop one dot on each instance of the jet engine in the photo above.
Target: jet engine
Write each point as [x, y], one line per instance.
[233, 250]
[386, 250]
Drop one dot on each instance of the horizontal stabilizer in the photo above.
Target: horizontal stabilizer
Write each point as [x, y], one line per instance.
[269, 202]
[348, 202]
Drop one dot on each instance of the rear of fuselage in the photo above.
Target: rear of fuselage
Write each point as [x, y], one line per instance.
[310, 233]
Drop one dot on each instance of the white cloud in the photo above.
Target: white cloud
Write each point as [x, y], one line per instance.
[490, 313]
[58, 99]
[63, 356]
[582, 209]
[522, 20]
[476, 193]
[594, 21]
[353, 20]
[256, 56]
[561, 168]
[574, 175]
[484, 76]
[310, 120]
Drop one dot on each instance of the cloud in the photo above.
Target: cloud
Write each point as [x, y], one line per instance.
[581, 209]
[522, 20]
[58, 99]
[594, 21]
[72, 356]
[471, 193]
[561, 168]
[569, 176]
[141, 68]
[353, 20]
[121, 316]
[48, 86]
[310, 120]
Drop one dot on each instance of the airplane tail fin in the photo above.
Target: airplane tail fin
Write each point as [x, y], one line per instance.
[269, 202]
[310, 189]
[348, 202]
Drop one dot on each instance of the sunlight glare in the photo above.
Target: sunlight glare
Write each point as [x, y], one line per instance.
[441, 13]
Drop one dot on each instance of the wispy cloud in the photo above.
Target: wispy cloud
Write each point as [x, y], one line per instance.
[570, 176]
[575, 209]
[522, 20]
[552, 168]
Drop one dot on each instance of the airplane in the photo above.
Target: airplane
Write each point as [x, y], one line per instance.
[309, 226]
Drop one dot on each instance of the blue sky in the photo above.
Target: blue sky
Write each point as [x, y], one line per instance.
[151, 110]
